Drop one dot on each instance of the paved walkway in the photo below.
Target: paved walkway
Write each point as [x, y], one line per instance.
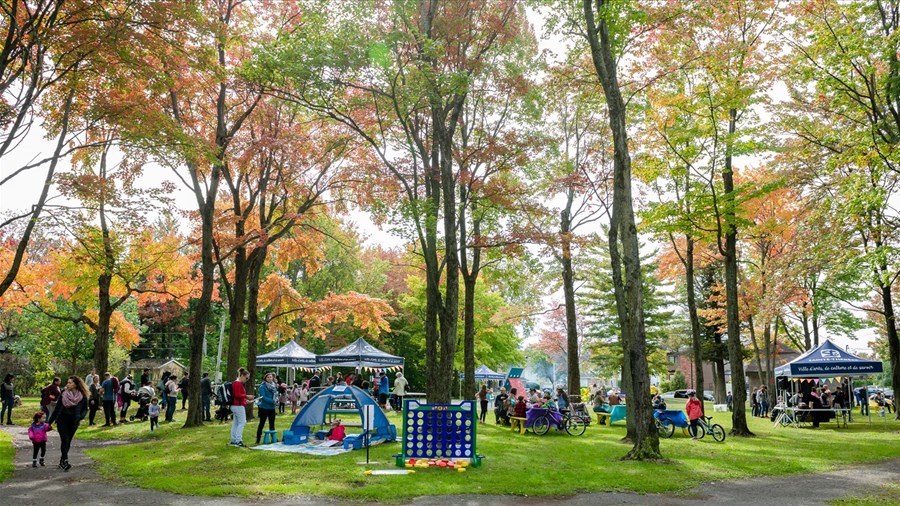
[49, 486]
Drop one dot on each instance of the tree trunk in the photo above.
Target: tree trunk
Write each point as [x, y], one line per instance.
[893, 341]
[101, 340]
[568, 275]
[236, 307]
[443, 136]
[719, 366]
[735, 348]
[470, 279]
[257, 260]
[696, 338]
[804, 319]
[646, 438]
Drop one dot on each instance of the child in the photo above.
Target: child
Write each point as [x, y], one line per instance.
[37, 433]
[304, 394]
[337, 431]
[153, 411]
[520, 407]
[282, 397]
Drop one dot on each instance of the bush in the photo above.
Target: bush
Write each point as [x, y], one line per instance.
[678, 382]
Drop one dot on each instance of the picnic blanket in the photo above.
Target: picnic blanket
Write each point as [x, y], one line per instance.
[308, 448]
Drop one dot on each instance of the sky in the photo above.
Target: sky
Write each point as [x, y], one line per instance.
[21, 193]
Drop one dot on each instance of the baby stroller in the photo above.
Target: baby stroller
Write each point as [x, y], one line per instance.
[222, 399]
[580, 412]
[143, 399]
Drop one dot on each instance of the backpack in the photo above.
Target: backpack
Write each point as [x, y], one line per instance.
[224, 394]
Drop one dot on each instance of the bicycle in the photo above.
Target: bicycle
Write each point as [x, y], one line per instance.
[705, 427]
[573, 425]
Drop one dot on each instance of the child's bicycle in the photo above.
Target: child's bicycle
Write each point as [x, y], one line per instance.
[704, 426]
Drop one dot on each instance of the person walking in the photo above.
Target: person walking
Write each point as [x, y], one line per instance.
[109, 399]
[153, 413]
[37, 433]
[96, 399]
[205, 396]
[239, 407]
[400, 385]
[864, 401]
[126, 388]
[483, 397]
[68, 414]
[183, 388]
[268, 395]
[8, 396]
[171, 394]
[762, 398]
[49, 396]
[694, 412]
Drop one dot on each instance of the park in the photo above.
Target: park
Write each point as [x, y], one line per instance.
[437, 251]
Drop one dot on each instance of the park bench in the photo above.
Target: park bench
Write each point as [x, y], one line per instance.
[517, 423]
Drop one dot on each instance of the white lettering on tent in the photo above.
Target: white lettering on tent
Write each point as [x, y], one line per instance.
[830, 354]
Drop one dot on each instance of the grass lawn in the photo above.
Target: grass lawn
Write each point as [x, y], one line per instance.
[7, 452]
[201, 462]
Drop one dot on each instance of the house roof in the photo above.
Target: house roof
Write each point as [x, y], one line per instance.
[155, 363]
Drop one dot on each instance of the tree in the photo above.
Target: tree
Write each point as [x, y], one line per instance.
[600, 29]
[398, 76]
[844, 121]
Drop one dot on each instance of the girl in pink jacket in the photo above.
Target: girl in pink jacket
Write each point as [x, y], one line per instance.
[694, 412]
[37, 433]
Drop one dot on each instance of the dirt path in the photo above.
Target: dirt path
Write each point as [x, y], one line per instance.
[49, 486]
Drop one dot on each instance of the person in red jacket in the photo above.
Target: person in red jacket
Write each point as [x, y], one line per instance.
[238, 407]
[694, 412]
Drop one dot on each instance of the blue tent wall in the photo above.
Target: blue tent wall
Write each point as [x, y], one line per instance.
[313, 413]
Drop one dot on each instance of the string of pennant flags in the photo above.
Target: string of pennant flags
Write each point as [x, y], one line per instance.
[836, 379]
[367, 369]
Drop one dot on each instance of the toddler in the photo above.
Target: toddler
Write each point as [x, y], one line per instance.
[37, 433]
[153, 411]
[521, 407]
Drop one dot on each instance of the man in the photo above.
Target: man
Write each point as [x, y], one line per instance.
[183, 386]
[864, 401]
[728, 401]
[534, 397]
[125, 390]
[315, 381]
[109, 399]
[613, 398]
[89, 379]
[171, 392]
[499, 412]
[400, 385]
[145, 377]
[384, 390]
[49, 395]
[206, 395]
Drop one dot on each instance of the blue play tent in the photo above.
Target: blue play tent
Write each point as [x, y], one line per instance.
[314, 412]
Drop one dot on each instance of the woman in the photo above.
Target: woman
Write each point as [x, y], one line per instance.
[8, 393]
[239, 407]
[562, 399]
[483, 397]
[95, 398]
[694, 412]
[69, 412]
[267, 395]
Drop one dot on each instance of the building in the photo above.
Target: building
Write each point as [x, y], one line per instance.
[157, 368]
[783, 355]
[683, 360]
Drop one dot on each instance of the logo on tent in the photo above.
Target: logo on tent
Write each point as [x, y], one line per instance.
[830, 354]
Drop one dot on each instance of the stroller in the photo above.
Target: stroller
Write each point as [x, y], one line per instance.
[222, 399]
[142, 396]
[580, 412]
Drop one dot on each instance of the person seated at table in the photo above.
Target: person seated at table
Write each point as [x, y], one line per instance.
[509, 405]
[562, 399]
[658, 402]
[499, 409]
[520, 407]
[548, 402]
[600, 405]
[825, 395]
[613, 398]
[534, 397]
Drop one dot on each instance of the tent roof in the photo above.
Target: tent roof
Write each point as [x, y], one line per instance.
[289, 355]
[828, 359]
[313, 413]
[359, 354]
[484, 372]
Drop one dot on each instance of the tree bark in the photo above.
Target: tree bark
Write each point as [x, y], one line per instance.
[568, 276]
[735, 348]
[256, 261]
[892, 337]
[696, 337]
[646, 438]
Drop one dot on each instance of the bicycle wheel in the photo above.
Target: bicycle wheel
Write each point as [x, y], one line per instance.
[575, 426]
[701, 430]
[665, 428]
[541, 425]
[718, 433]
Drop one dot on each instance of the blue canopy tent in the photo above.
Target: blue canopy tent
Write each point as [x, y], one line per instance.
[828, 362]
[484, 372]
[291, 355]
[315, 411]
[359, 354]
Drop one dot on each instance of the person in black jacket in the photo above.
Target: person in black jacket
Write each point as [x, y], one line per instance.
[69, 411]
[206, 396]
[183, 386]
